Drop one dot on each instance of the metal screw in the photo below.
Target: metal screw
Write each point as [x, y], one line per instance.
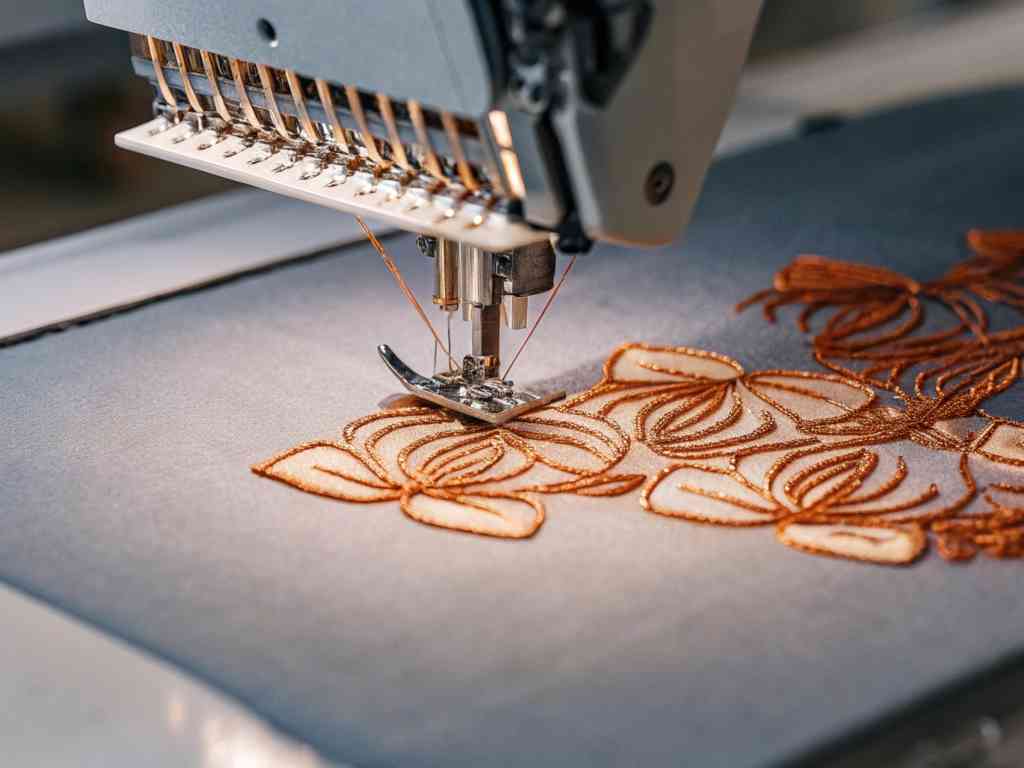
[659, 183]
[427, 246]
[267, 32]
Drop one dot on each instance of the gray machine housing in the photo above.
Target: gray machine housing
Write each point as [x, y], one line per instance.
[614, 106]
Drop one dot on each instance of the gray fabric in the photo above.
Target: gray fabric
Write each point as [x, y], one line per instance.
[98, 272]
[614, 636]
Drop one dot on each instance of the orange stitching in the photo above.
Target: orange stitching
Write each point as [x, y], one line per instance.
[453, 472]
[814, 469]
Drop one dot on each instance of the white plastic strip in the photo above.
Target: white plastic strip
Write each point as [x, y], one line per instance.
[360, 193]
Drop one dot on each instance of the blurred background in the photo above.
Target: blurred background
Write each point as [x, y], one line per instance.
[69, 87]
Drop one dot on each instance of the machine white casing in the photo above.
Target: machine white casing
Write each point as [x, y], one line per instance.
[586, 163]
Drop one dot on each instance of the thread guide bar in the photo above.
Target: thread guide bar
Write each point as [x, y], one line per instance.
[207, 144]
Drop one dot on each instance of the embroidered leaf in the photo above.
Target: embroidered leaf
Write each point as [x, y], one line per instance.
[456, 458]
[818, 454]
[707, 494]
[1003, 442]
[598, 485]
[821, 482]
[507, 515]
[329, 469]
[546, 447]
[875, 543]
[811, 399]
[643, 364]
[950, 434]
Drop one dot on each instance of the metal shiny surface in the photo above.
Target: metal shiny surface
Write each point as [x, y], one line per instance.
[514, 311]
[477, 275]
[527, 271]
[492, 401]
[446, 274]
[486, 336]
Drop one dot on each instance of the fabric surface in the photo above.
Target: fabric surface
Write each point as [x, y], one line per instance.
[614, 635]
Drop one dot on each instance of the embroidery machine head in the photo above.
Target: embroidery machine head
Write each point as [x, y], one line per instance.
[493, 128]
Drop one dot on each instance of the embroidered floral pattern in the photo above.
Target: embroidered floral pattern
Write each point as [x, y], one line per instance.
[886, 452]
[816, 455]
[446, 472]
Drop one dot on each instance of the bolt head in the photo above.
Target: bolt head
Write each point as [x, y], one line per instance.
[660, 181]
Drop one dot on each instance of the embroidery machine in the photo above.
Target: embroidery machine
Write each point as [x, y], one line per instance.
[496, 129]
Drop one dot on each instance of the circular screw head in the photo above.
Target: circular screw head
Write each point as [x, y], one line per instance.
[659, 183]
[267, 32]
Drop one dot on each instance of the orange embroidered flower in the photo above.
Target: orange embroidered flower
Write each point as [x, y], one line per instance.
[446, 472]
[835, 469]
[817, 455]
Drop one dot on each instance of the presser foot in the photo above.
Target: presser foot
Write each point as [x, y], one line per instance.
[491, 400]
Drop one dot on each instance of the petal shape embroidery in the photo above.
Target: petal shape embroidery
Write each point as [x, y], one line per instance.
[504, 515]
[646, 364]
[876, 543]
[705, 494]
[330, 469]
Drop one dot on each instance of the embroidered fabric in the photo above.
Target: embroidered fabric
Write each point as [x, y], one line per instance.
[826, 458]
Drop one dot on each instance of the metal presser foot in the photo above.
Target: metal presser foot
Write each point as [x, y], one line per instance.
[490, 289]
[491, 400]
